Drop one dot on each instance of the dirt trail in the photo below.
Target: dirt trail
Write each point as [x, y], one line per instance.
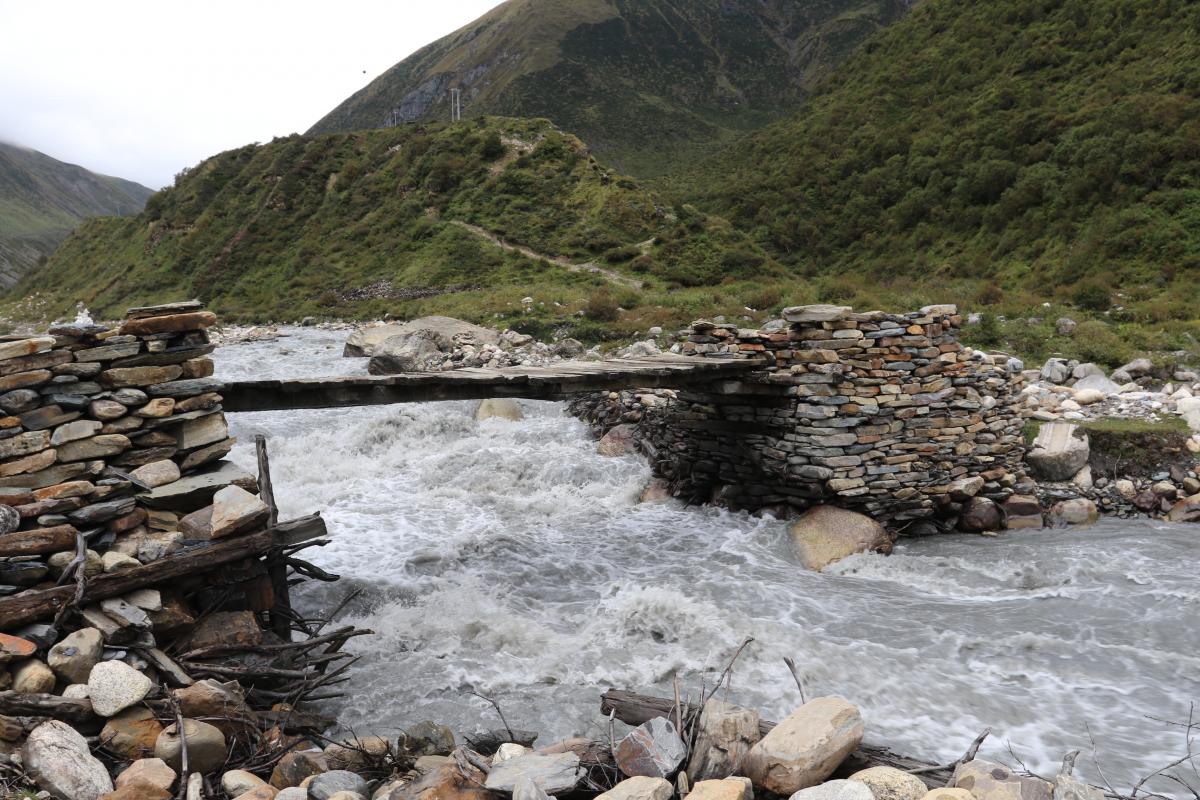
[562, 261]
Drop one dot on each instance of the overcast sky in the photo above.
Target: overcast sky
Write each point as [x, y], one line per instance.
[141, 89]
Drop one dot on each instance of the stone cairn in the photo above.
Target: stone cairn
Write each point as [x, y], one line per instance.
[887, 414]
[143, 582]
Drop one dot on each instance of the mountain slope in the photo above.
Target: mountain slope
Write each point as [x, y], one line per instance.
[42, 199]
[1043, 150]
[647, 83]
[403, 220]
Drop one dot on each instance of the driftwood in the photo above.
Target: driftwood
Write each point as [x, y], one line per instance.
[634, 709]
[31, 606]
[281, 609]
[38, 541]
[13, 704]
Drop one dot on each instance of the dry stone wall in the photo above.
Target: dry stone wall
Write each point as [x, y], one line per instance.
[103, 429]
[883, 413]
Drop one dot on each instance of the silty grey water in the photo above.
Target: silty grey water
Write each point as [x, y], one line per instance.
[510, 559]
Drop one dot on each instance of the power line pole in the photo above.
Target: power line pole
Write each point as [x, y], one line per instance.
[455, 105]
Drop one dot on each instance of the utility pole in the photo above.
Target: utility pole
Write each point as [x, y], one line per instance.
[455, 105]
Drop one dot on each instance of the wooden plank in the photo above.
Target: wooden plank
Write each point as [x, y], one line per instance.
[536, 383]
[33, 605]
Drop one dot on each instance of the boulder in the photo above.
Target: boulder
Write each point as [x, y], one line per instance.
[426, 739]
[327, 784]
[222, 703]
[1096, 383]
[889, 783]
[1059, 451]
[1077, 511]
[152, 772]
[986, 780]
[724, 734]
[836, 790]
[1186, 510]
[205, 744]
[619, 441]
[525, 789]
[1087, 397]
[353, 754]
[131, 734]
[826, 534]
[59, 761]
[239, 781]
[653, 749]
[965, 488]
[294, 767]
[235, 510]
[1138, 368]
[979, 515]
[1056, 371]
[725, 789]
[266, 793]
[32, 677]
[72, 659]
[500, 407]
[553, 774]
[640, 787]
[410, 353]
[114, 686]
[1022, 512]
[157, 473]
[292, 793]
[1069, 788]
[818, 312]
[446, 333]
[806, 747]
[1065, 326]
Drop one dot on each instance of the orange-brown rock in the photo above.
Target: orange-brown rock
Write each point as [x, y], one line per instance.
[444, 783]
[294, 767]
[131, 734]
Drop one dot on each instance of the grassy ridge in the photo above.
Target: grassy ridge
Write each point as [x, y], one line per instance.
[999, 154]
[363, 224]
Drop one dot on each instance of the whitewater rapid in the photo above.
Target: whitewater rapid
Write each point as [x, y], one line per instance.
[508, 558]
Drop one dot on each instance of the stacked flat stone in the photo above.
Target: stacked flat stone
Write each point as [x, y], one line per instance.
[102, 424]
[883, 413]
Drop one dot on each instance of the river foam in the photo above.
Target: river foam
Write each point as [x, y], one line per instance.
[510, 559]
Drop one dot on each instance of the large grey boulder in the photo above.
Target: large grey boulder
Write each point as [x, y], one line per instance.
[1097, 383]
[1138, 368]
[1060, 450]
[553, 774]
[408, 353]
[826, 534]
[445, 332]
[986, 780]
[59, 761]
[1056, 370]
[806, 747]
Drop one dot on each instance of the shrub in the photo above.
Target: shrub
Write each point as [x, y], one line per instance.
[601, 307]
[1092, 296]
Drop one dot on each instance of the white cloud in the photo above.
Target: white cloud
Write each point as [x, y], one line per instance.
[143, 88]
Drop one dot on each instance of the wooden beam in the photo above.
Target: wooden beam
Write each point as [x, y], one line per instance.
[13, 704]
[30, 606]
[535, 383]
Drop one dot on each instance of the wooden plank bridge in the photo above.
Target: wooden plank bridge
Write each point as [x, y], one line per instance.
[535, 383]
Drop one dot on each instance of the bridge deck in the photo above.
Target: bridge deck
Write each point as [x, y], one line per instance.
[537, 383]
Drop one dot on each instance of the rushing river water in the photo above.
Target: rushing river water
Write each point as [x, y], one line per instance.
[509, 558]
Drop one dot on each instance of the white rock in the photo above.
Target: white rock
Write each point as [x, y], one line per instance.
[114, 686]
[836, 790]
[58, 759]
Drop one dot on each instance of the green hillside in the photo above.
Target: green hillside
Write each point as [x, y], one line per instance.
[647, 83]
[405, 220]
[998, 154]
[42, 199]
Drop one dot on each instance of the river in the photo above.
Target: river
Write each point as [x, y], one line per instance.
[510, 559]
